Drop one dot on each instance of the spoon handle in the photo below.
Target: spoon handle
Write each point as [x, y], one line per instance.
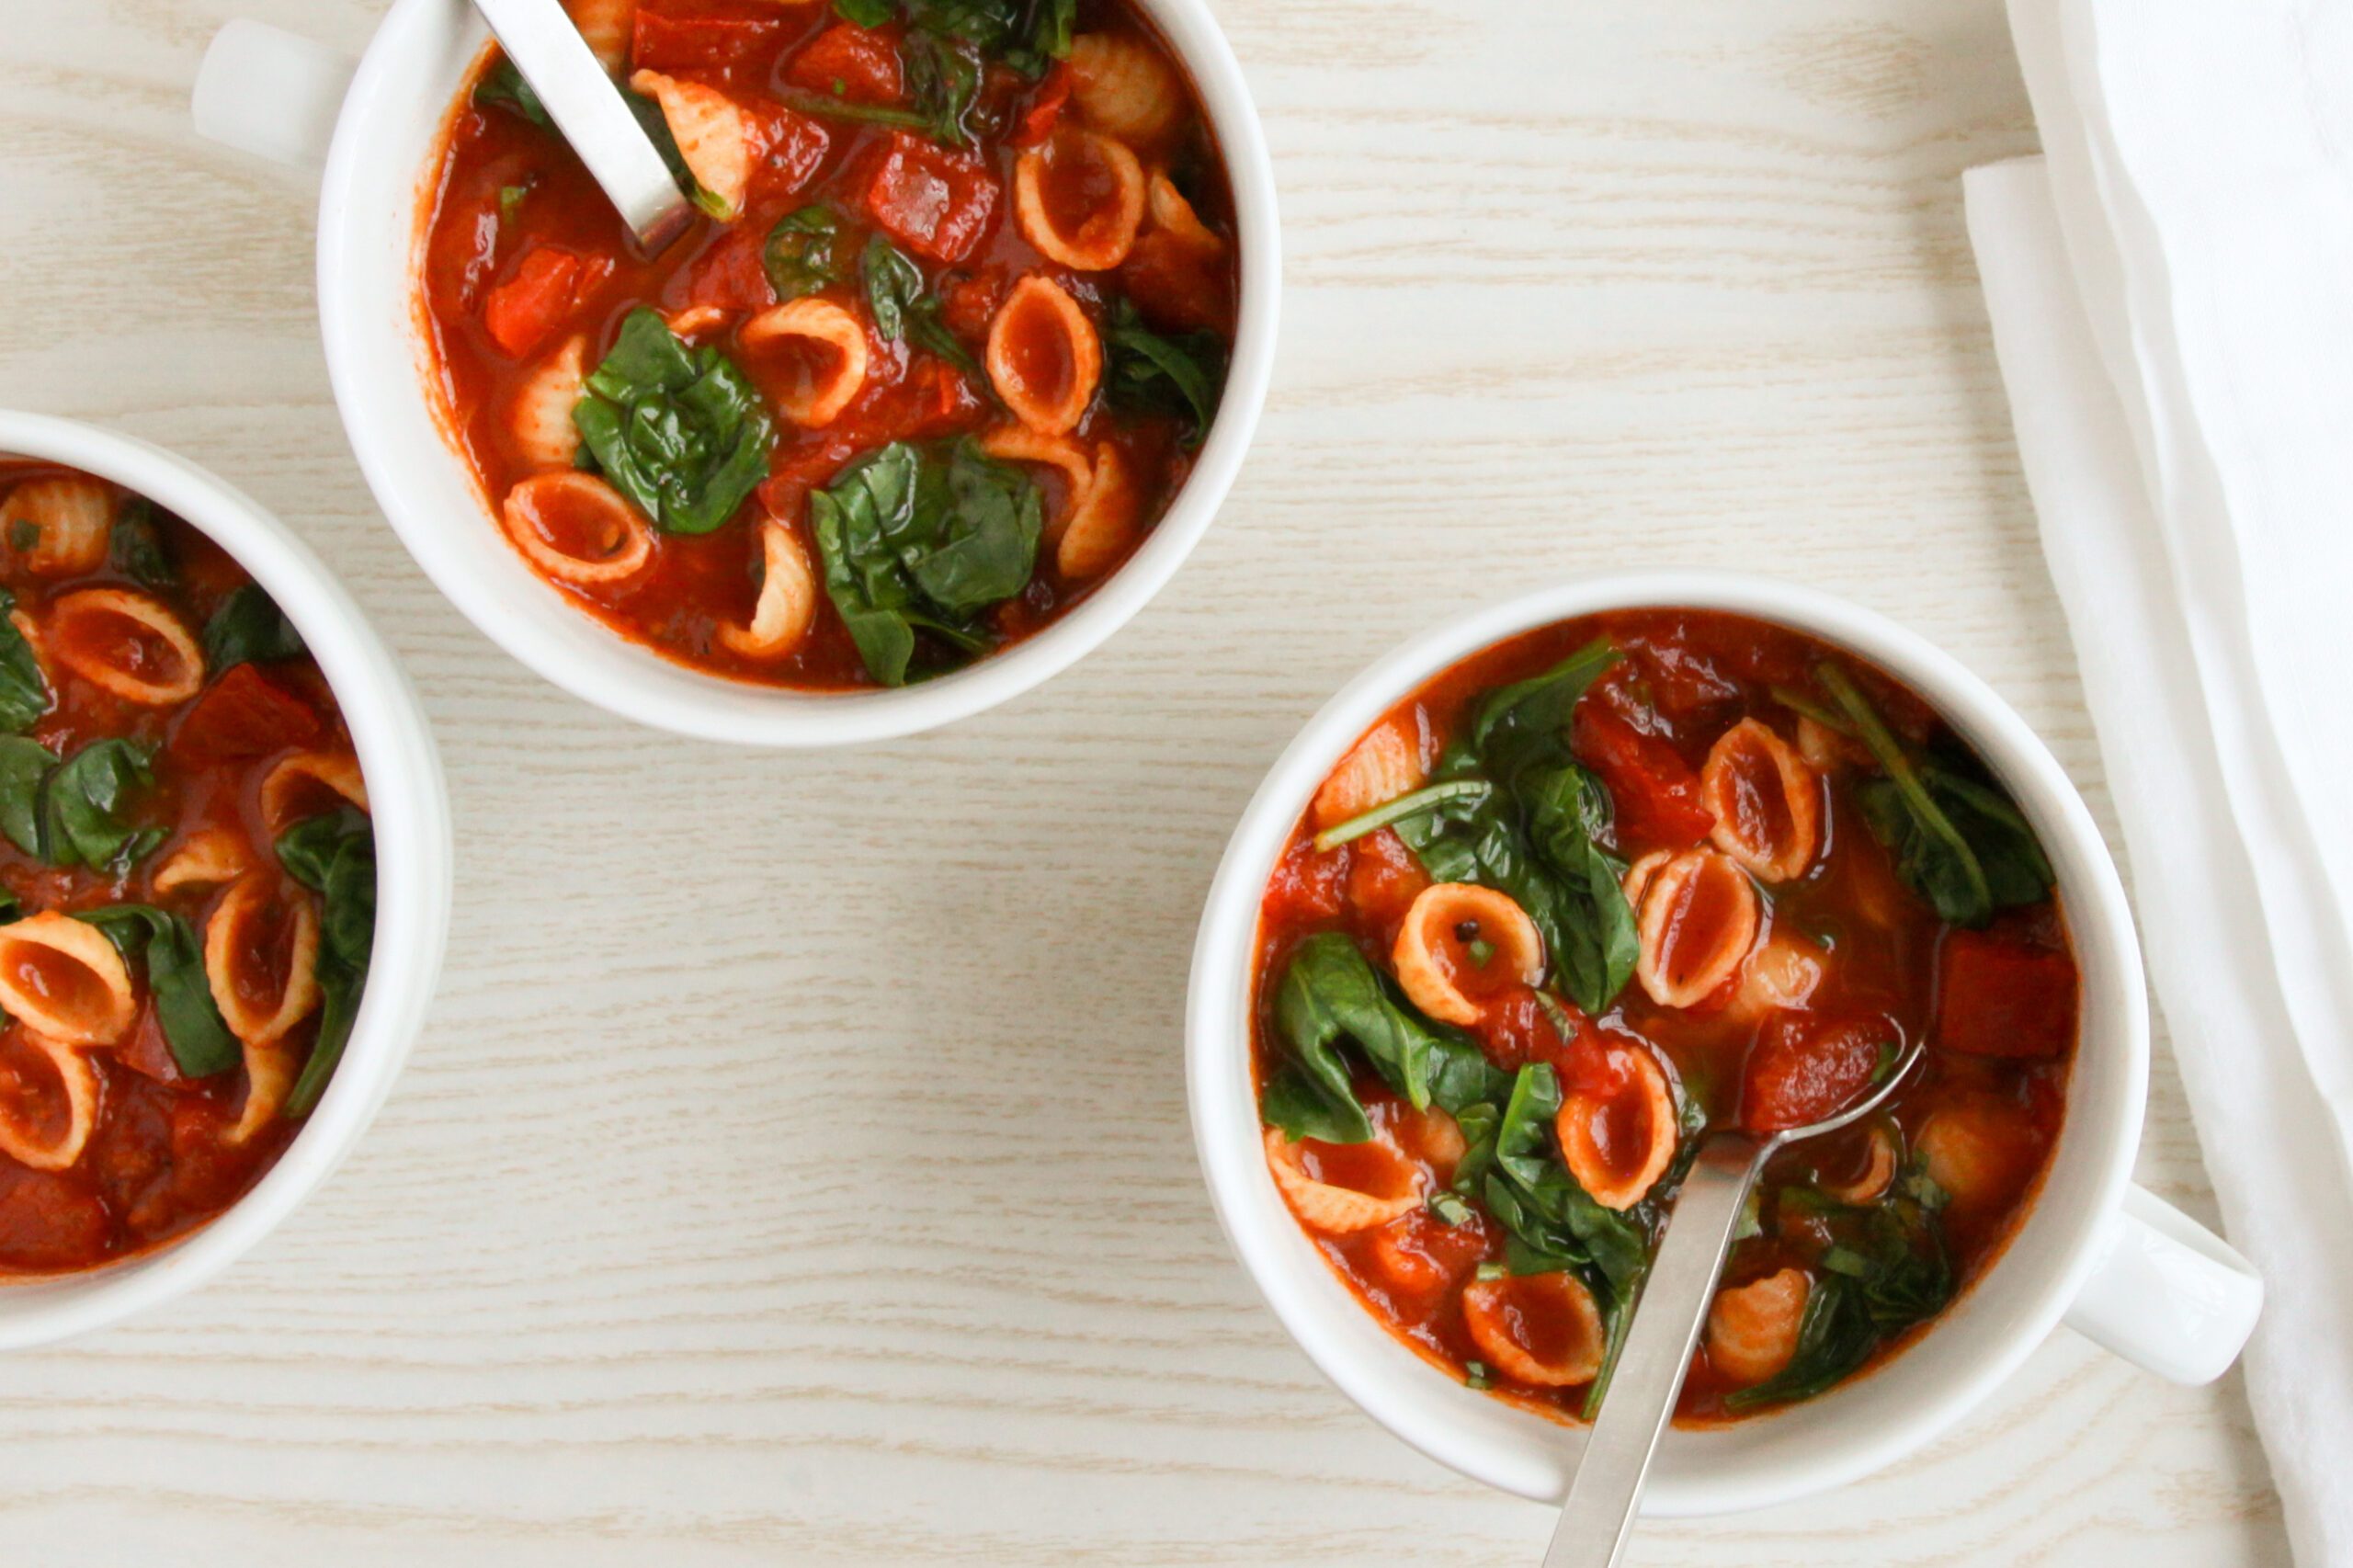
[1598, 1519]
[585, 105]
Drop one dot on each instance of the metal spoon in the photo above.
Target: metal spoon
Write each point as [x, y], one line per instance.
[585, 105]
[1598, 1519]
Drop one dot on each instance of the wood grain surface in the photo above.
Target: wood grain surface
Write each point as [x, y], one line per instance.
[795, 1168]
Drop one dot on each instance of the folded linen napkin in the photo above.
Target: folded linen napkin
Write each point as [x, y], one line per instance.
[2171, 288]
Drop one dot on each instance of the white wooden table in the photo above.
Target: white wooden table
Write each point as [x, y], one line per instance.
[795, 1168]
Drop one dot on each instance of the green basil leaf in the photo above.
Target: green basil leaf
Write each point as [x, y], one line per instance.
[943, 81]
[135, 547]
[803, 252]
[1149, 374]
[24, 764]
[894, 283]
[24, 690]
[504, 89]
[683, 435]
[249, 626]
[82, 804]
[166, 945]
[866, 13]
[1330, 992]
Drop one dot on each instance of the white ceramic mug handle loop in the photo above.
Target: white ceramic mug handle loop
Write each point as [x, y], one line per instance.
[271, 93]
[2168, 1294]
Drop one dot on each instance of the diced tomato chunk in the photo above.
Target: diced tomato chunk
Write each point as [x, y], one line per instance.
[733, 273]
[48, 1221]
[522, 312]
[931, 200]
[1806, 1066]
[850, 62]
[1656, 792]
[245, 714]
[1180, 286]
[1422, 1255]
[791, 147]
[2000, 997]
[1045, 110]
[1306, 885]
[666, 42]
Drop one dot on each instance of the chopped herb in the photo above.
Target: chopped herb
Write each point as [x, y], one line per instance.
[510, 202]
[23, 536]
[1491, 1271]
[1474, 1375]
[1448, 1209]
[1481, 951]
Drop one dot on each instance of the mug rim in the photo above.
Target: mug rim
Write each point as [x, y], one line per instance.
[1741, 1466]
[409, 808]
[651, 688]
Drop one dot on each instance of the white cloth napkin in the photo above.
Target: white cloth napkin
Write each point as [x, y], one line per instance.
[2171, 288]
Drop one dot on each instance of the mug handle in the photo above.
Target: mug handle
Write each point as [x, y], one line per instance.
[2167, 1293]
[271, 93]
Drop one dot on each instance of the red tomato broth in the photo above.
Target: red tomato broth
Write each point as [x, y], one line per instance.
[1690, 675]
[764, 57]
[156, 1164]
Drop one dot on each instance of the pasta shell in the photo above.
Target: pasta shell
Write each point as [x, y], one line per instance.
[62, 978]
[1877, 1175]
[818, 348]
[694, 320]
[127, 643]
[608, 26]
[1753, 1328]
[1618, 1145]
[1637, 880]
[72, 519]
[205, 858]
[1044, 357]
[1980, 1150]
[576, 528]
[1700, 918]
[45, 1143]
[1079, 198]
[713, 134]
[1103, 523]
[1385, 764]
[788, 603]
[1174, 216]
[308, 784]
[1433, 952]
[260, 1008]
[1124, 87]
[1766, 800]
[540, 419]
[1336, 1210]
[1541, 1329]
[270, 1078]
[1782, 971]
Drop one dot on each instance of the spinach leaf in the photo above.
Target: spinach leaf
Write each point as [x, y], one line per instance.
[81, 806]
[657, 127]
[24, 763]
[866, 13]
[943, 81]
[1429, 798]
[1958, 841]
[249, 626]
[921, 540]
[1538, 834]
[1329, 993]
[803, 252]
[166, 945]
[1553, 1223]
[333, 856]
[24, 690]
[682, 434]
[504, 87]
[1146, 372]
[902, 305]
[136, 548]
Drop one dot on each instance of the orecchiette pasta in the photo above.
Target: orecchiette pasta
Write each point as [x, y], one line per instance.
[1461, 943]
[39, 1126]
[606, 26]
[540, 419]
[1618, 1143]
[1782, 971]
[695, 321]
[1174, 215]
[1766, 800]
[241, 949]
[1753, 1329]
[1100, 515]
[1044, 357]
[1374, 1184]
[71, 520]
[577, 529]
[62, 978]
[269, 1075]
[1979, 1151]
[1697, 921]
[1543, 1330]
[788, 603]
[1385, 764]
[307, 782]
[1123, 87]
[713, 134]
[128, 643]
[1872, 1183]
[817, 349]
[205, 858]
[1080, 199]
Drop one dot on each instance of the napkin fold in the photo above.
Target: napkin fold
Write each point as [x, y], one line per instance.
[2171, 288]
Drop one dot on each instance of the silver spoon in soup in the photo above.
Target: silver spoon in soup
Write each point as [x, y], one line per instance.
[1597, 1518]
